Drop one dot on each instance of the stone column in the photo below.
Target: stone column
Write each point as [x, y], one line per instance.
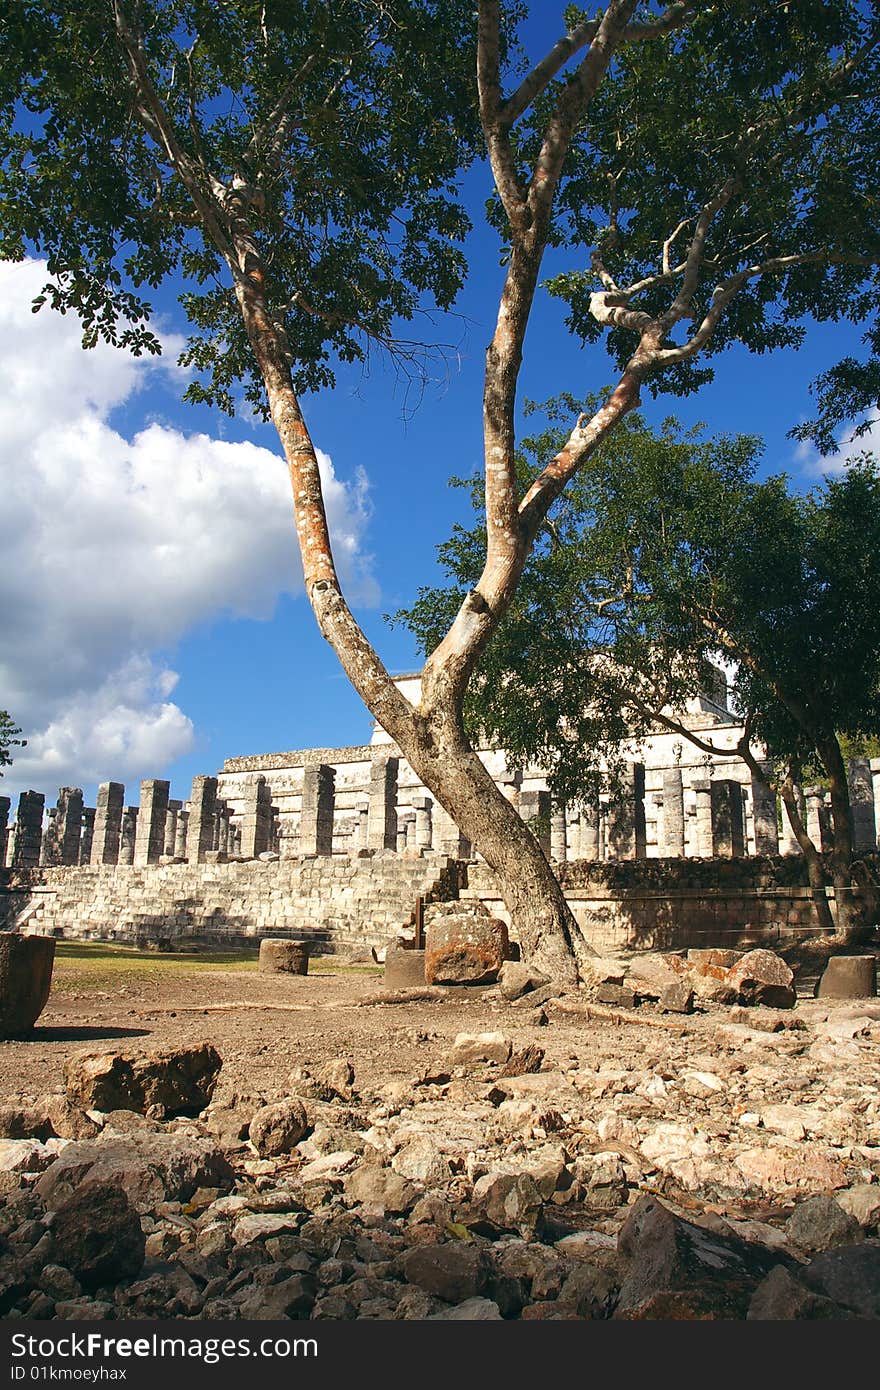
[422, 806]
[5, 804]
[447, 835]
[28, 830]
[49, 852]
[61, 844]
[149, 843]
[406, 831]
[558, 842]
[861, 801]
[223, 829]
[588, 832]
[534, 807]
[818, 818]
[174, 809]
[673, 814]
[108, 823]
[728, 831]
[88, 835]
[318, 809]
[180, 833]
[764, 816]
[382, 825]
[200, 828]
[363, 810]
[128, 835]
[703, 828]
[256, 818]
[787, 842]
[626, 818]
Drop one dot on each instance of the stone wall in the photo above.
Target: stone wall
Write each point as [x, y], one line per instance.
[338, 904]
[672, 904]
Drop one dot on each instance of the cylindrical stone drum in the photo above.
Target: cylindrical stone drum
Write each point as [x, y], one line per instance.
[849, 977]
[25, 980]
[281, 957]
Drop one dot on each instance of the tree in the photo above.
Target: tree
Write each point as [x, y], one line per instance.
[664, 554]
[294, 161]
[9, 732]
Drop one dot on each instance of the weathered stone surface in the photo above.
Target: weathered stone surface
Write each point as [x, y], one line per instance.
[650, 975]
[762, 977]
[599, 970]
[149, 1168]
[820, 1222]
[679, 1270]
[849, 977]
[465, 948]
[782, 1298]
[25, 980]
[778, 1170]
[278, 956]
[512, 1201]
[517, 979]
[472, 1310]
[849, 1274]
[404, 968]
[291, 1298]
[24, 1156]
[863, 1203]
[275, 1129]
[422, 1161]
[98, 1234]
[375, 1186]
[678, 998]
[480, 1047]
[454, 1271]
[180, 1080]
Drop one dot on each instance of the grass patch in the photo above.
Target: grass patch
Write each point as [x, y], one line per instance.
[99, 965]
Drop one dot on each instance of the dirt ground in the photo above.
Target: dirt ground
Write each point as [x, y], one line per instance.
[105, 998]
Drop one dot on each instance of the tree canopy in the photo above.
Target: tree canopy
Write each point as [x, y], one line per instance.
[9, 732]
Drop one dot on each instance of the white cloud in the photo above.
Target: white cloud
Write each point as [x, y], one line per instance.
[115, 547]
[850, 448]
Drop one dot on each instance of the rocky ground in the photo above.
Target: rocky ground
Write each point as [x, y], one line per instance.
[439, 1153]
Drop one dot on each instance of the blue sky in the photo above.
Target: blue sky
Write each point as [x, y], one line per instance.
[153, 621]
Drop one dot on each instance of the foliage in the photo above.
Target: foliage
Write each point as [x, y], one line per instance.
[9, 732]
[348, 122]
[665, 553]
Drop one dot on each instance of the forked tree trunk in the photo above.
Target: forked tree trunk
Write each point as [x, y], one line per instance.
[855, 903]
[812, 858]
[432, 737]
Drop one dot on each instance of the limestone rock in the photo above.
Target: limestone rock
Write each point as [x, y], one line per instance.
[24, 1156]
[675, 1269]
[820, 1222]
[849, 977]
[471, 1310]
[149, 1168]
[862, 1202]
[762, 977]
[374, 1186]
[465, 948]
[517, 979]
[512, 1201]
[290, 1298]
[179, 1080]
[782, 1298]
[678, 998]
[98, 1233]
[422, 1161]
[454, 1271]
[276, 1129]
[849, 1274]
[480, 1047]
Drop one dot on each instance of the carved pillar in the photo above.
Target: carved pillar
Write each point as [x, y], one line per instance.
[149, 844]
[422, 806]
[728, 831]
[558, 841]
[28, 830]
[256, 817]
[88, 835]
[62, 839]
[5, 805]
[318, 809]
[764, 815]
[861, 801]
[180, 833]
[673, 814]
[626, 816]
[200, 829]
[703, 826]
[588, 832]
[108, 823]
[818, 818]
[174, 809]
[382, 827]
[128, 835]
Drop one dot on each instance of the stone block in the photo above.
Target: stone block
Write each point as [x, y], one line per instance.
[278, 956]
[465, 948]
[849, 977]
[404, 969]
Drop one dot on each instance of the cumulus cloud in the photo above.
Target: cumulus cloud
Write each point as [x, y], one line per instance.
[851, 446]
[114, 547]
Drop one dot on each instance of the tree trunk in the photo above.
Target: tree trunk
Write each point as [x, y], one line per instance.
[540, 916]
[812, 857]
[855, 904]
